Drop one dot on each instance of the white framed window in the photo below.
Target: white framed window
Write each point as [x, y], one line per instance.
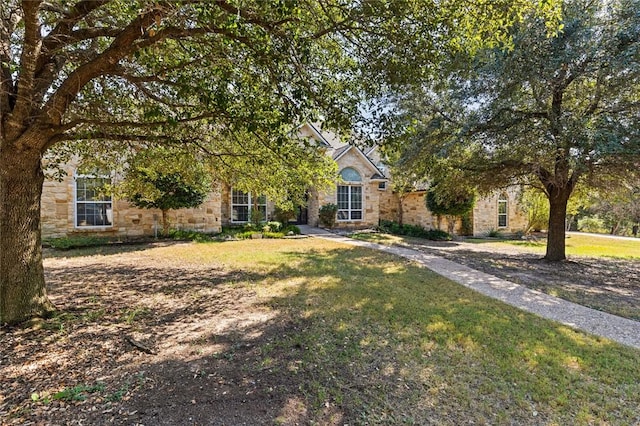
[93, 208]
[503, 211]
[382, 186]
[243, 202]
[349, 196]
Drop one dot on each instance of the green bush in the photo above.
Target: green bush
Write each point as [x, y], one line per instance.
[413, 231]
[256, 217]
[328, 215]
[272, 235]
[494, 233]
[592, 224]
[283, 215]
[189, 235]
[290, 228]
[66, 243]
[274, 226]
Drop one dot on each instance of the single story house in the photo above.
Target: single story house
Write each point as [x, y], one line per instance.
[363, 196]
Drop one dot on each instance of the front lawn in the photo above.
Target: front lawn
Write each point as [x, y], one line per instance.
[298, 332]
[579, 245]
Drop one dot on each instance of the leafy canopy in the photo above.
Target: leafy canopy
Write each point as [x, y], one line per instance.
[552, 112]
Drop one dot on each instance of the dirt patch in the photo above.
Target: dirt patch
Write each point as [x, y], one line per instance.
[607, 284]
[203, 328]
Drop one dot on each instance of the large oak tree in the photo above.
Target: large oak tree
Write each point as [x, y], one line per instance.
[551, 112]
[228, 78]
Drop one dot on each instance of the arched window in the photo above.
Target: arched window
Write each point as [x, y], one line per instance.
[503, 210]
[349, 174]
[350, 195]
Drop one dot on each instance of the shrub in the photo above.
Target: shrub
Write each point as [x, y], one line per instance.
[274, 226]
[66, 243]
[272, 234]
[290, 228]
[189, 235]
[591, 224]
[328, 215]
[256, 217]
[494, 233]
[413, 231]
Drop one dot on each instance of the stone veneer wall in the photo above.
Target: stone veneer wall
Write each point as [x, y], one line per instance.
[370, 194]
[58, 211]
[485, 214]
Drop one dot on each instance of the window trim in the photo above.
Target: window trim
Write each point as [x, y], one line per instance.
[76, 225]
[350, 210]
[249, 207]
[503, 199]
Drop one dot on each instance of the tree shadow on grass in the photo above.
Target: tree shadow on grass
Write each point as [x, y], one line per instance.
[327, 337]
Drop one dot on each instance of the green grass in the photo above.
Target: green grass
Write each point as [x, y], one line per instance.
[579, 245]
[390, 343]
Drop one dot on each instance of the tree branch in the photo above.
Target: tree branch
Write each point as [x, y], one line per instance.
[28, 60]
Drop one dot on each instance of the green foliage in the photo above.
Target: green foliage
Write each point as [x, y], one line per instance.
[466, 227]
[78, 393]
[291, 229]
[536, 206]
[592, 224]
[66, 243]
[284, 214]
[189, 235]
[256, 217]
[540, 113]
[395, 228]
[447, 202]
[172, 193]
[165, 179]
[619, 209]
[273, 226]
[327, 215]
[248, 230]
[494, 233]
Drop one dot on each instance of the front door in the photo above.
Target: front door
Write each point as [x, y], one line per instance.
[302, 216]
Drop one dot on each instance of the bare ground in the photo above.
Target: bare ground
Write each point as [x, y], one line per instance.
[208, 337]
[204, 332]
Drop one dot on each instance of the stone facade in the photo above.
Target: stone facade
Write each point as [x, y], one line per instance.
[378, 203]
[484, 215]
[371, 192]
[58, 213]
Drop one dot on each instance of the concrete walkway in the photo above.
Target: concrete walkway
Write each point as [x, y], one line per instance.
[621, 330]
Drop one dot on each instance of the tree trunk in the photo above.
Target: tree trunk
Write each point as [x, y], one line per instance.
[22, 287]
[165, 224]
[557, 216]
[401, 211]
[451, 224]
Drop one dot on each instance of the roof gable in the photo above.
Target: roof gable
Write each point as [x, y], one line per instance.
[341, 152]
